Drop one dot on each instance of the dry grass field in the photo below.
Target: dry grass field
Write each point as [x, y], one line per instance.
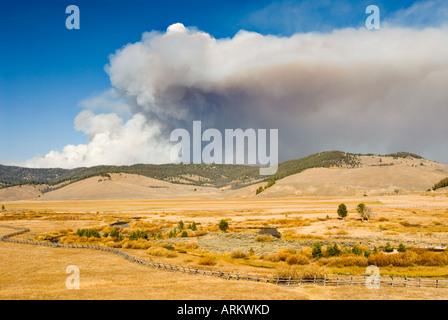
[34, 272]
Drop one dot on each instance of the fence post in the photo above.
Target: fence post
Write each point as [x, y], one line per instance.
[325, 280]
[337, 281]
[392, 282]
[289, 281]
[405, 281]
[314, 281]
[437, 283]
[420, 282]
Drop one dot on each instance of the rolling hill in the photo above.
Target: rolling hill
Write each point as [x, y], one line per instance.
[327, 174]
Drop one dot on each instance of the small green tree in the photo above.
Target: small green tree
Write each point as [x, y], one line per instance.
[181, 225]
[317, 250]
[401, 248]
[194, 227]
[360, 208]
[388, 247]
[342, 210]
[3, 207]
[270, 183]
[367, 253]
[138, 234]
[364, 211]
[356, 250]
[223, 225]
[333, 250]
[184, 234]
[259, 190]
[114, 233]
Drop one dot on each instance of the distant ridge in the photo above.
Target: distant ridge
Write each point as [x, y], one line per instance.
[193, 174]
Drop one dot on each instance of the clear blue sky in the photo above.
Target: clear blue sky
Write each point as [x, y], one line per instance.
[46, 70]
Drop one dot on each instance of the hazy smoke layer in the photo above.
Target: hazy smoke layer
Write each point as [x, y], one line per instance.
[353, 89]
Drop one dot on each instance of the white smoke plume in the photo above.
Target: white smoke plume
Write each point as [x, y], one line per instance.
[352, 89]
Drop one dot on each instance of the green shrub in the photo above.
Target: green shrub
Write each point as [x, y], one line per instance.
[88, 233]
[357, 251]
[333, 250]
[317, 250]
[388, 247]
[138, 234]
[223, 225]
[115, 233]
[342, 211]
[401, 248]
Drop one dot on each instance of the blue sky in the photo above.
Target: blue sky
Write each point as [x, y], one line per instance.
[46, 70]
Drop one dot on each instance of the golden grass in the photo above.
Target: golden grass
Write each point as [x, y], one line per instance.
[54, 219]
[161, 252]
[264, 238]
[27, 274]
[307, 271]
[207, 261]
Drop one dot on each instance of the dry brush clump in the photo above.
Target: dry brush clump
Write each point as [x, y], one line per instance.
[191, 245]
[289, 223]
[207, 261]
[273, 257]
[161, 252]
[239, 254]
[264, 238]
[307, 272]
[299, 259]
[414, 257]
[349, 260]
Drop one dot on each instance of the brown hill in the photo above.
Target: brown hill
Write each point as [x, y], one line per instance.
[375, 176]
[25, 192]
[124, 186]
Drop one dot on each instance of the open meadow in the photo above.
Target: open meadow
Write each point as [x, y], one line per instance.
[406, 236]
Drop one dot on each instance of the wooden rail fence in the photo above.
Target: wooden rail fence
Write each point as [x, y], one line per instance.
[332, 280]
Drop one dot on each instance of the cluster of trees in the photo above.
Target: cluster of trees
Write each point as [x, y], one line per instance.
[182, 229]
[113, 233]
[441, 184]
[364, 211]
[88, 233]
[138, 234]
[335, 251]
[261, 188]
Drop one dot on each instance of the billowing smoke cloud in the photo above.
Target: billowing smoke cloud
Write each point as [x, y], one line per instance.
[352, 89]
